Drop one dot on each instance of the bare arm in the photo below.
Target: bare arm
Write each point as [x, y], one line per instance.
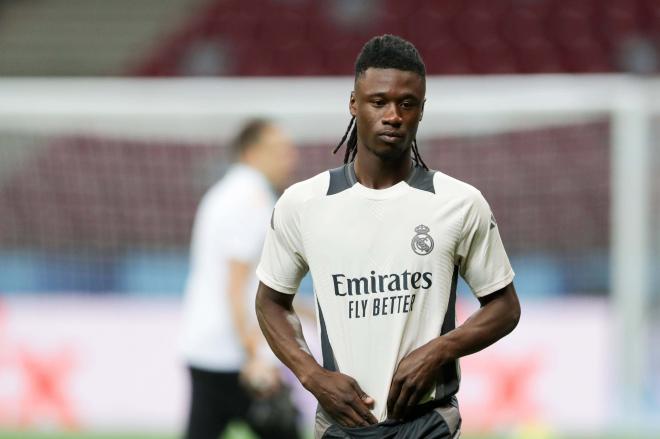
[338, 394]
[498, 316]
[238, 276]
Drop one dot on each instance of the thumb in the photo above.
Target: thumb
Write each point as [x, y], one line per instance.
[363, 396]
[368, 400]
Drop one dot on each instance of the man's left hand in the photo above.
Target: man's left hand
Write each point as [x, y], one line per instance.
[412, 380]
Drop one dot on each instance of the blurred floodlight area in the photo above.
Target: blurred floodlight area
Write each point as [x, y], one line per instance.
[115, 118]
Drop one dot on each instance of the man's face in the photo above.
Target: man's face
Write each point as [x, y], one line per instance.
[387, 105]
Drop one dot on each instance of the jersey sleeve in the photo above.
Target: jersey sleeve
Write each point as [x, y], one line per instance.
[481, 257]
[283, 263]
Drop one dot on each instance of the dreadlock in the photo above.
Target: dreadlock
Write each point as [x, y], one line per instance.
[351, 146]
[383, 52]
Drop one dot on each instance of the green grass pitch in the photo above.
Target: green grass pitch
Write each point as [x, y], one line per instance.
[238, 432]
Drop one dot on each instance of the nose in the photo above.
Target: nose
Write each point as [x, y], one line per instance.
[392, 115]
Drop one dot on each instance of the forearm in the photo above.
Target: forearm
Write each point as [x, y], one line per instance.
[246, 334]
[496, 318]
[238, 275]
[339, 394]
[283, 332]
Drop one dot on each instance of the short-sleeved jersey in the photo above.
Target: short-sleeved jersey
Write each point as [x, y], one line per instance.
[230, 224]
[384, 264]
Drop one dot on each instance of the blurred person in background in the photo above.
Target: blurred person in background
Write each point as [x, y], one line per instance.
[232, 377]
[385, 239]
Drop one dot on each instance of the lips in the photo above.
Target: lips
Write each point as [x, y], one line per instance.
[390, 136]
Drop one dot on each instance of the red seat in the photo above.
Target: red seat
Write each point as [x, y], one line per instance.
[239, 27]
[446, 57]
[617, 21]
[454, 36]
[286, 28]
[650, 17]
[537, 56]
[297, 59]
[524, 22]
[587, 57]
[492, 57]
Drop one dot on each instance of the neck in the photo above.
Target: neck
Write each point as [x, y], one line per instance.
[376, 173]
[257, 166]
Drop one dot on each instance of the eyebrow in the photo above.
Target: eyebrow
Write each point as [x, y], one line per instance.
[384, 94]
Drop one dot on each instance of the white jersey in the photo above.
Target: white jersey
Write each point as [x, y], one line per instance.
[230, 224]
[384, 265]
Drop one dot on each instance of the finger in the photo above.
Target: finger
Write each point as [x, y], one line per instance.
[395, 390]
[401, 401]
[345, 421]
[346, 415]
[368, 400]
[363, 411]
[411, 403]
[353, 417]
[363, 404]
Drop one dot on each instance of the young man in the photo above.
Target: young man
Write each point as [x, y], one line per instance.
[220, 335]
[384, 239]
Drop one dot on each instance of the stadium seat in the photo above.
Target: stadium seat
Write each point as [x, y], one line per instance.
[469, 36]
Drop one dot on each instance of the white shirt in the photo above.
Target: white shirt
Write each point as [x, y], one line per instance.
[384, 265]
[230, 224]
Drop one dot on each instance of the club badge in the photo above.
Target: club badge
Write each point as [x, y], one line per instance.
[422, 243]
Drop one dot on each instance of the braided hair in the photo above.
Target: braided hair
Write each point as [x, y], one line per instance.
[383, 52]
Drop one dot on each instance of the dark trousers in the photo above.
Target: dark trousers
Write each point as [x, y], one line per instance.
[217, 399]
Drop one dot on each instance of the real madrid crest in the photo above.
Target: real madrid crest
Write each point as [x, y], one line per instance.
[422, 243]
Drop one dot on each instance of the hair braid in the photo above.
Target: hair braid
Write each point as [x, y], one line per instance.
[343, 139]
[417, 156]
[351, 146]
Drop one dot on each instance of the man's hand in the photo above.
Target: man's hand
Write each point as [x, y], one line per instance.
[342, 397]
[260, 377]
[412, 380]
[498, 315]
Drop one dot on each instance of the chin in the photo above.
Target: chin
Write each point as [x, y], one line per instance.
[389, 151]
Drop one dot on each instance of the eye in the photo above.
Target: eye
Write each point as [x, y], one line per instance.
[408, 104]
[378, 102]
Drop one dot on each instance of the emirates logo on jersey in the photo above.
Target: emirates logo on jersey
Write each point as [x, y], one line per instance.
[422, 243]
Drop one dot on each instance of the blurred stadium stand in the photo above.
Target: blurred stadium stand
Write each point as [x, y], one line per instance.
[455, 37]
[83, 37]
[114, 218]
[116, 214]
[305, 37]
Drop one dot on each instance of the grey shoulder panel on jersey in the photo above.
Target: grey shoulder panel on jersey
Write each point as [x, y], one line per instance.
[341, 178]
[326, 348]
[421, 179]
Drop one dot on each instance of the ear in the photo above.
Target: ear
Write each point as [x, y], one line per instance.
[352, 106]
[421, 113]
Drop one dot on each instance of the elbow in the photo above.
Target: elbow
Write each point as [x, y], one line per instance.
[259, 306]
[512, 305]
[514, 315]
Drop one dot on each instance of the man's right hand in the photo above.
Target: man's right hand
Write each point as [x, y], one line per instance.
[260, 377]
[341, 397]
